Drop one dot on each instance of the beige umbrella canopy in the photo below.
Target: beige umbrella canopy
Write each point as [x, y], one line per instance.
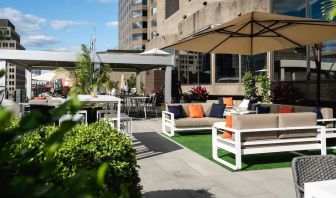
[259, 32]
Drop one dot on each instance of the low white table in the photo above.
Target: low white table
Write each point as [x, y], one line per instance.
[321, 189]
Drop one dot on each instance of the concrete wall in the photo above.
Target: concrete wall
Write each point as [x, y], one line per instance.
[308, 90]
[199, 16]
[227, 89]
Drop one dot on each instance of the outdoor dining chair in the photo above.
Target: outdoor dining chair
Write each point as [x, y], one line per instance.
[312, 169]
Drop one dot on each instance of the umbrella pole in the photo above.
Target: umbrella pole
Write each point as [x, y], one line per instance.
[317, 55]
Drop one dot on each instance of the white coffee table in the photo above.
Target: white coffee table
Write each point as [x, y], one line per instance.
[321, 189]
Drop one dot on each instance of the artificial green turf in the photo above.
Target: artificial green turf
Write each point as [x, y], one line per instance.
[201, 144]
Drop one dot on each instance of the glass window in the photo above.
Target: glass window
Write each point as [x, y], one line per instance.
[136, 2]
[290, 64]
[137, 25]
[136, 37]
[153, 23]
[204, 68]
[227, 68]
[136, 13]
[154, 11]
[328, 69]
[194, 68]
[256, 64]
[154, 35]
[171, 6]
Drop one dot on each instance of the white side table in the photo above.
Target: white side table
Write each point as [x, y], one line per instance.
[321, 189]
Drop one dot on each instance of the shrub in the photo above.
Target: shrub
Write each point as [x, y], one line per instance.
[83, 148]
[199, 93]
[284, 93]
[249, 85]
[265, 86]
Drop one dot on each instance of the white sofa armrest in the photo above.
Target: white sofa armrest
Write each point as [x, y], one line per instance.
[168, 121]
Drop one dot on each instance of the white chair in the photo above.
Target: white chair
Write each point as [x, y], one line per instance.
[79, 118]
[84, 113]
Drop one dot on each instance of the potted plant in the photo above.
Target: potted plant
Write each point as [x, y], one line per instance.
[199, 94]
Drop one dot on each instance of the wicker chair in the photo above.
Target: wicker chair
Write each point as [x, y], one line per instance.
[311, 169]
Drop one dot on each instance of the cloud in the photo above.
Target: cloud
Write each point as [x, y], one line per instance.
[111, 24]
[39, 40]
[66, 24]
[24, 23]
[75, 48]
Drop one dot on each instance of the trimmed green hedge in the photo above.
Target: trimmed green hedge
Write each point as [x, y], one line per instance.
[83, 148]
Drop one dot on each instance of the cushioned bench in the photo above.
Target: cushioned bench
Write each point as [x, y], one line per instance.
[186, 123]
[268, 133]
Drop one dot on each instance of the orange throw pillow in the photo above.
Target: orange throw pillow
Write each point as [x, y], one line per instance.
[286, 109]
[195, 111]
[228, 101]
[228, 123]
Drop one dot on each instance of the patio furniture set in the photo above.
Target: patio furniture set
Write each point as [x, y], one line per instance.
[110, 111]
[280, 128]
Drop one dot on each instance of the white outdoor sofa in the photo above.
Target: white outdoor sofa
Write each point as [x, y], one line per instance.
[170, 124]
[268, 133]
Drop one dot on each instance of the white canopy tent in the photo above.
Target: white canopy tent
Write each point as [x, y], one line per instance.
[52, 75]
[50, 60]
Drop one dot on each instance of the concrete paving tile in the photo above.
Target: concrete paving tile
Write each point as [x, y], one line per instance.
[265, 195]
[283, 189]
[239, 186]
[209, 169]
[254, 176]
[172, 165]
[220, 191]
[200, 182]
[154, 174]
[168, 194]
[157, 186]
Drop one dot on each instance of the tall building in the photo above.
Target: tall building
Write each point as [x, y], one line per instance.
[15, 78]
[222, 74]
[133, 24]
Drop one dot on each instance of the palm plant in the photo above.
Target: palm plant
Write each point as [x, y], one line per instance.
[101, 78]
[329, 9]
[82, 74]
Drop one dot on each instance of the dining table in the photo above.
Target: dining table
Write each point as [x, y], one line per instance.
[105, 99]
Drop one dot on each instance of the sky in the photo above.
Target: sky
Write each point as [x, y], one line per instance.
[63, 25]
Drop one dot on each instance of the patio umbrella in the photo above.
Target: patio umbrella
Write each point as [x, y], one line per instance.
[122, 82]
[155, 52]
[258, 32]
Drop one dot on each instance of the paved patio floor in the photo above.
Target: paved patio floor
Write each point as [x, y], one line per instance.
[169, 170]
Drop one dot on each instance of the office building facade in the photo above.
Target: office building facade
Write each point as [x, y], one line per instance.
[222, 74]
[15, 78]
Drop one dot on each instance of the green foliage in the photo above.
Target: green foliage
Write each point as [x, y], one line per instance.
[101, 78]
[249, 85]
[95, 147]
[82, 74]
[265, 85]
[67, 161]
[329, 9]
[131, 82]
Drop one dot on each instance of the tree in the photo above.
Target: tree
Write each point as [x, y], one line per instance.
[329, 9]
